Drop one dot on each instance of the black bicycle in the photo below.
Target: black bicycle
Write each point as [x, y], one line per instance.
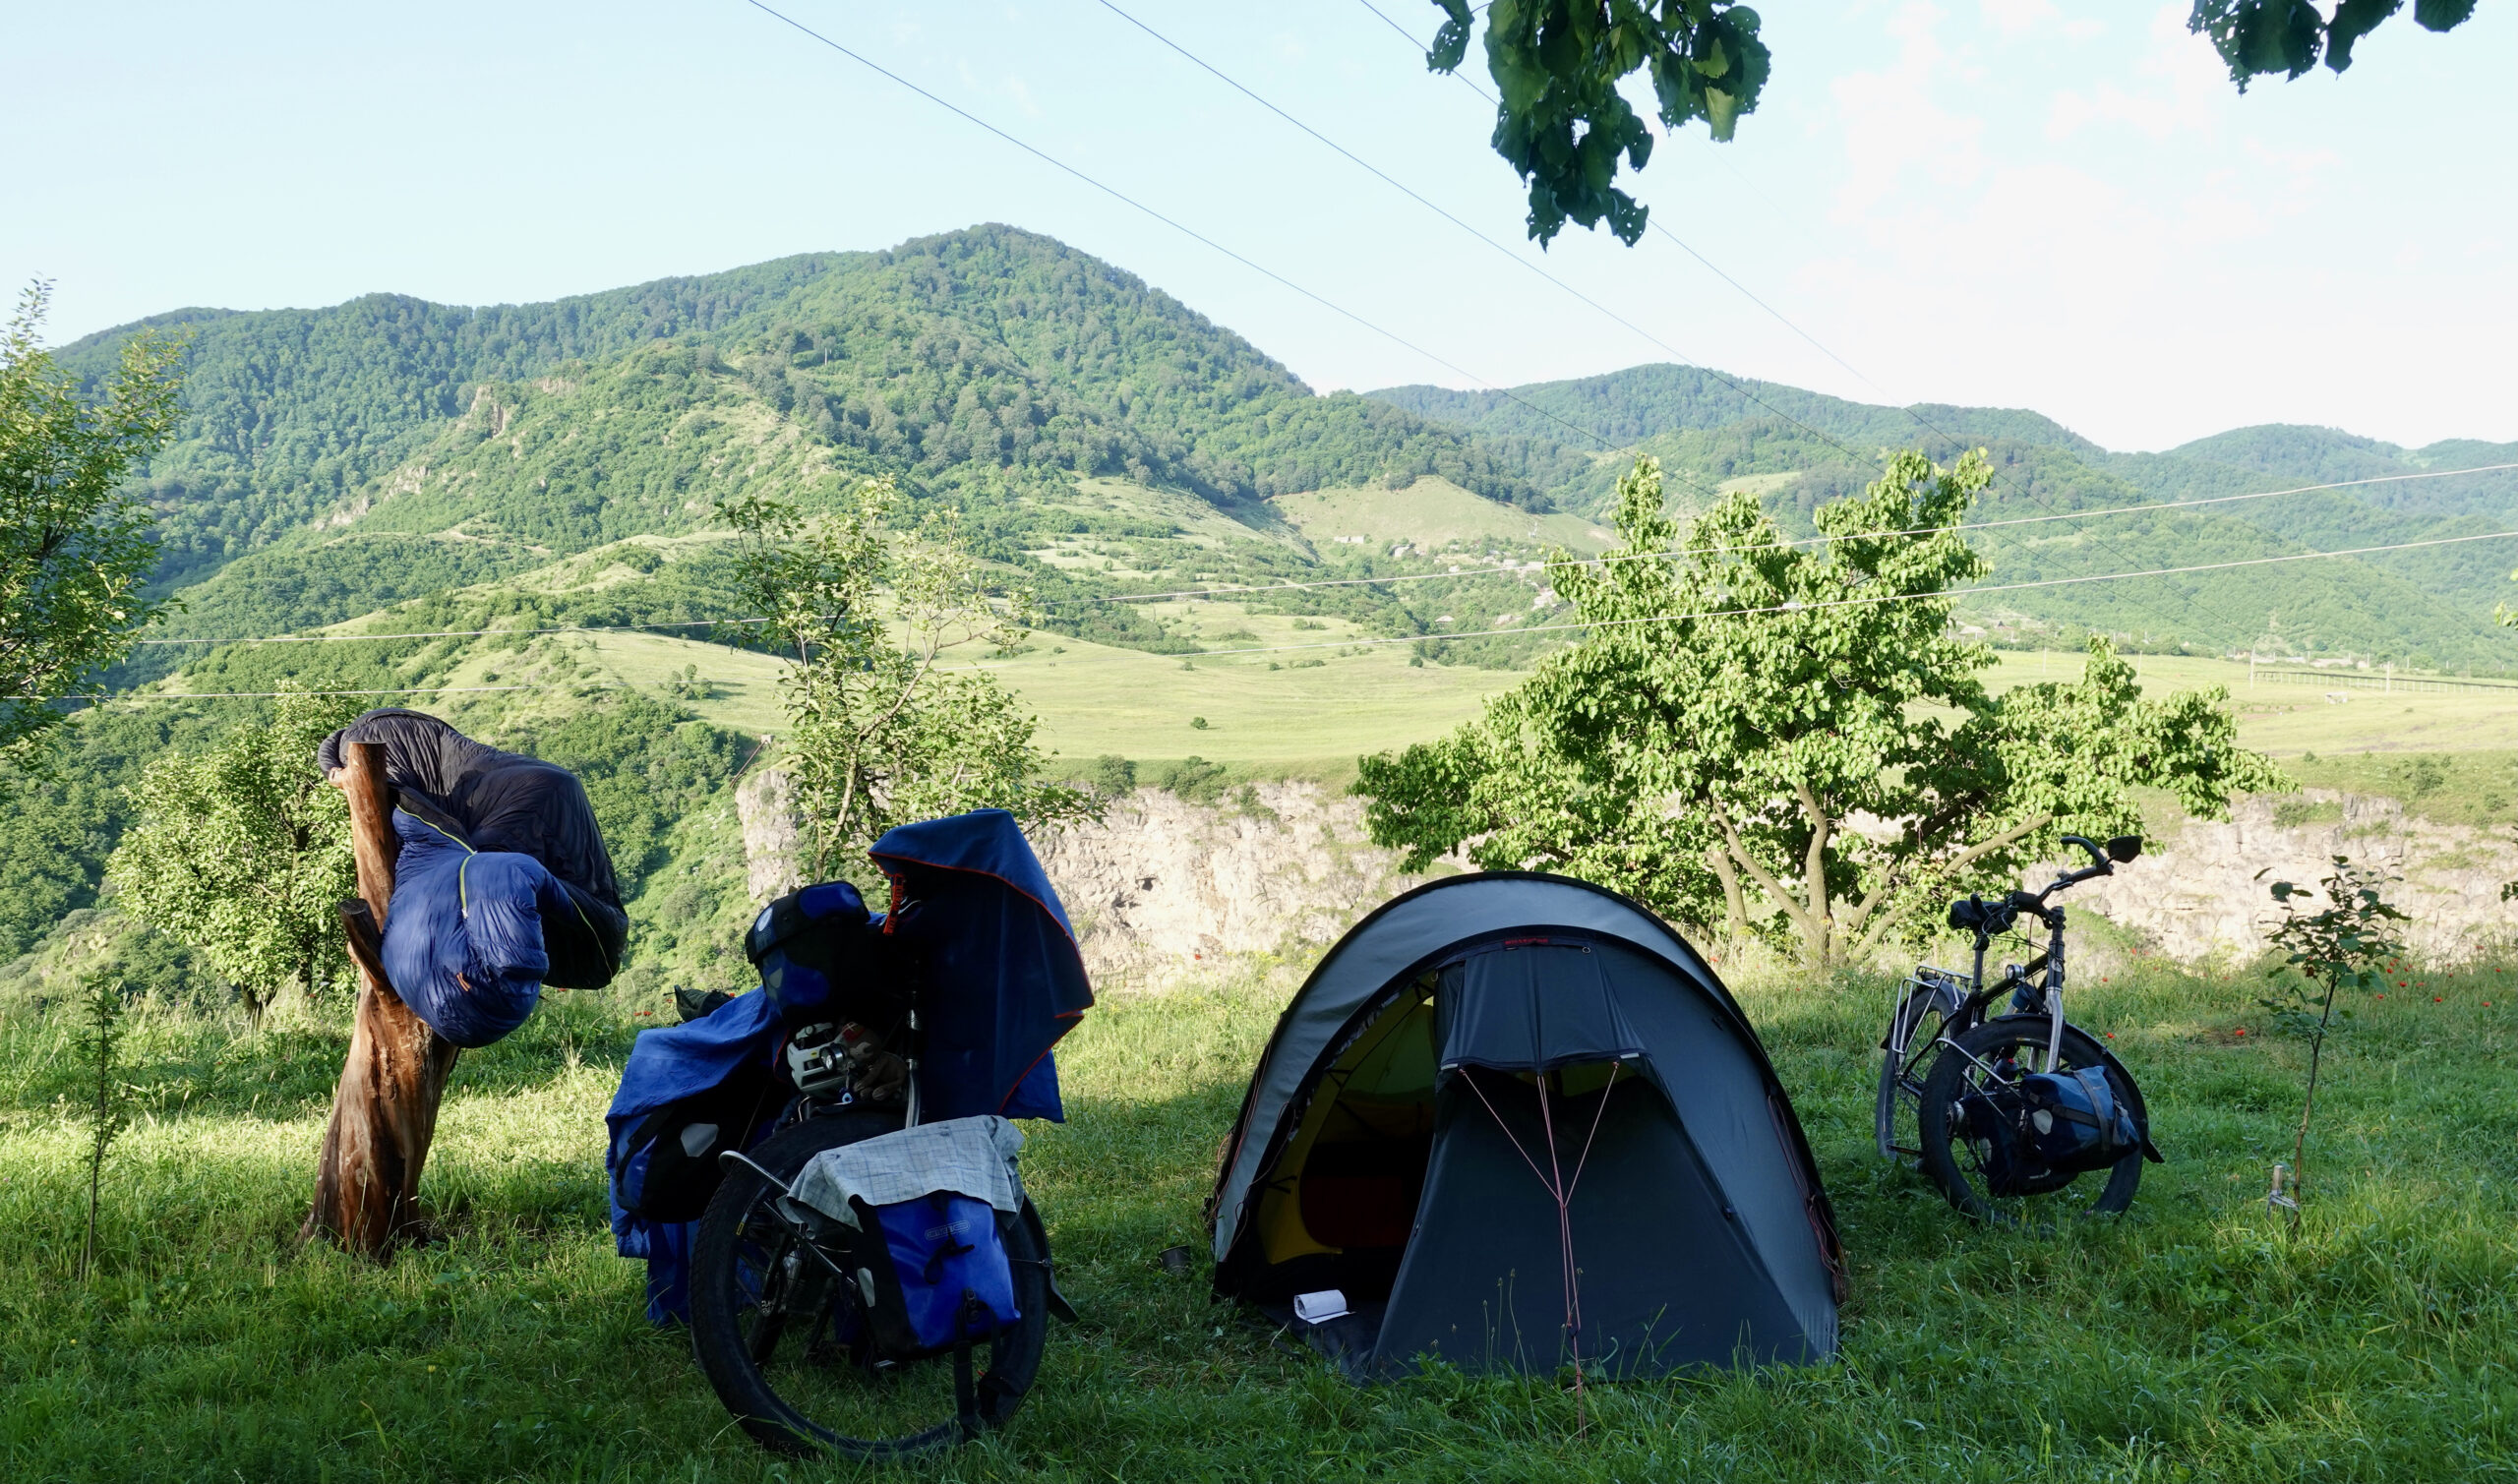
[2007, 1112]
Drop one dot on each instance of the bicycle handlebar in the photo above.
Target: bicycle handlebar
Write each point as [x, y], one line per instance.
[1987, 919]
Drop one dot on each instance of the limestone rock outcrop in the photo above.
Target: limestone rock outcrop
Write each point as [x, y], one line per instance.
[2198, 893]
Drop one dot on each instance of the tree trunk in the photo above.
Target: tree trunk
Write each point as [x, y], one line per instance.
[385, 1110]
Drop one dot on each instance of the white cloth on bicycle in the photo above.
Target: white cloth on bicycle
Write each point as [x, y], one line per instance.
[968, 1156]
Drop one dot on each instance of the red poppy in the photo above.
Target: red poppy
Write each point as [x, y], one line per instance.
[2241, 1029]
[2435, 999]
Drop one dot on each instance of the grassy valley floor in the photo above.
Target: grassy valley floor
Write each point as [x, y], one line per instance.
[2190, 1341]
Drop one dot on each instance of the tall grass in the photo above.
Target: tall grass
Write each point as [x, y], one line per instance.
[2185, 1341]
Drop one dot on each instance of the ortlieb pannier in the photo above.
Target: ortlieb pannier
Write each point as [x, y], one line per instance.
[922, 1216]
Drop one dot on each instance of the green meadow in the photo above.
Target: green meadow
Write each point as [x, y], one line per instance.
[2191, 1340]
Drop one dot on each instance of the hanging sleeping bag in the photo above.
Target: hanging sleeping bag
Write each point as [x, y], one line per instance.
[501, 801]
[464, 933]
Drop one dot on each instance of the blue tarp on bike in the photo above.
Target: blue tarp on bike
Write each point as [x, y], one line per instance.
[1004, 978]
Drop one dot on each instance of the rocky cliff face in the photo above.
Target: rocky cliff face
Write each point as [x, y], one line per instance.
[2198, 893]
[1162, 885]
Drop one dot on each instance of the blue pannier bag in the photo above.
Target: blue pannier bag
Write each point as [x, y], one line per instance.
[820, 956]
[924, 1211]
[2073, 1121]
[933, 1273]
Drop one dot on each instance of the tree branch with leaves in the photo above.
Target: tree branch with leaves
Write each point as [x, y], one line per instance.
[77, 543]
[2326, 952]
[245, 854]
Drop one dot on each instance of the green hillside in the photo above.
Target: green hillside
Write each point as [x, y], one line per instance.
[2431, 608]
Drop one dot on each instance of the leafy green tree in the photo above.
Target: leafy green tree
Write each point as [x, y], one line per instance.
[1790, 740]
[244, 853]
[75, 541]
[1562, 123]
[868, 607]
[2257, 38]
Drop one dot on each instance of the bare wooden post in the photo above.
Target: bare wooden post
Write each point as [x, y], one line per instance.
[385, 1110]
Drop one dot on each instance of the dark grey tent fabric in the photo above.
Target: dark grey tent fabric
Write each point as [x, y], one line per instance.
[496, 801]
[1495, 1300]
[1698, 1229]
[1536, 1005]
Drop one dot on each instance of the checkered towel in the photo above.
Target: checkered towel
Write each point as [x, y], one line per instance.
[969, 1157]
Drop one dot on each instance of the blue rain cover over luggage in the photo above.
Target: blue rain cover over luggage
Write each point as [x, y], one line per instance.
[667, 1065]
[1004, 978]
[463, 933]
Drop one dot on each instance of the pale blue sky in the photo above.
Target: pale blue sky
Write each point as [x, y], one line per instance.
[2062, 205]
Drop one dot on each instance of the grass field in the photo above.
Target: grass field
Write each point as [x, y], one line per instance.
[2190, 1341]
[1325, 703]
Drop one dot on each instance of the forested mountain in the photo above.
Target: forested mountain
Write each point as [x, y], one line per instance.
[2428, 607]
[440, 469]
[990, 348]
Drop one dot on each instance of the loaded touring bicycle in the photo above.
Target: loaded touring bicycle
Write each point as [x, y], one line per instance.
[822, 1173]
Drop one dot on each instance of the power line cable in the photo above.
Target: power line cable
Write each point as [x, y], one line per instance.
[2022, 489]
[472, 634]
[1196, 236]
[1387, 179]
[1496, 569]
[1800, 541]
[1728, 613]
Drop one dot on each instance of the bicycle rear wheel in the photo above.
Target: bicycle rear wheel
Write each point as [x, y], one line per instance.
[1959, 1160]
[780, 1339]
[1915, 1030]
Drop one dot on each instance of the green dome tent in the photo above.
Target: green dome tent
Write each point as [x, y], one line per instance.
[1512, 1121]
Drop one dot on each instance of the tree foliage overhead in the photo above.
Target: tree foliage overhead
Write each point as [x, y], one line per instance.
[1793, 740]
[1562, 123]
[75, 541]
[2258, 38]
[1563, 126]
[244, 853]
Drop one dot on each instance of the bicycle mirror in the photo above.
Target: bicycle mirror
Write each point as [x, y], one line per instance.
[2124, 849]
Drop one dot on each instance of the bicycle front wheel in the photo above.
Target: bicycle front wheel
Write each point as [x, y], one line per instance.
[1963, 1160]
[781, 1340]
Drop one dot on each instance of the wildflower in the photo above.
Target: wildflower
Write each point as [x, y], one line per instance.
[2241, 1029]
[2435, 999]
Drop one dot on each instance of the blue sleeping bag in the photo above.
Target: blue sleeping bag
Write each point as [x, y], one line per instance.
[463, 934]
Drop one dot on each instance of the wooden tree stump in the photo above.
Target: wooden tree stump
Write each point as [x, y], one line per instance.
[385, 1109]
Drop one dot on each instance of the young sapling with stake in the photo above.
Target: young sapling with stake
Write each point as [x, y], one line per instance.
[2326, 952]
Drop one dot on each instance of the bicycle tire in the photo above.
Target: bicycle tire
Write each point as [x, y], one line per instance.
[725, 1345]
[1923, 1015]
[1948, 1159]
